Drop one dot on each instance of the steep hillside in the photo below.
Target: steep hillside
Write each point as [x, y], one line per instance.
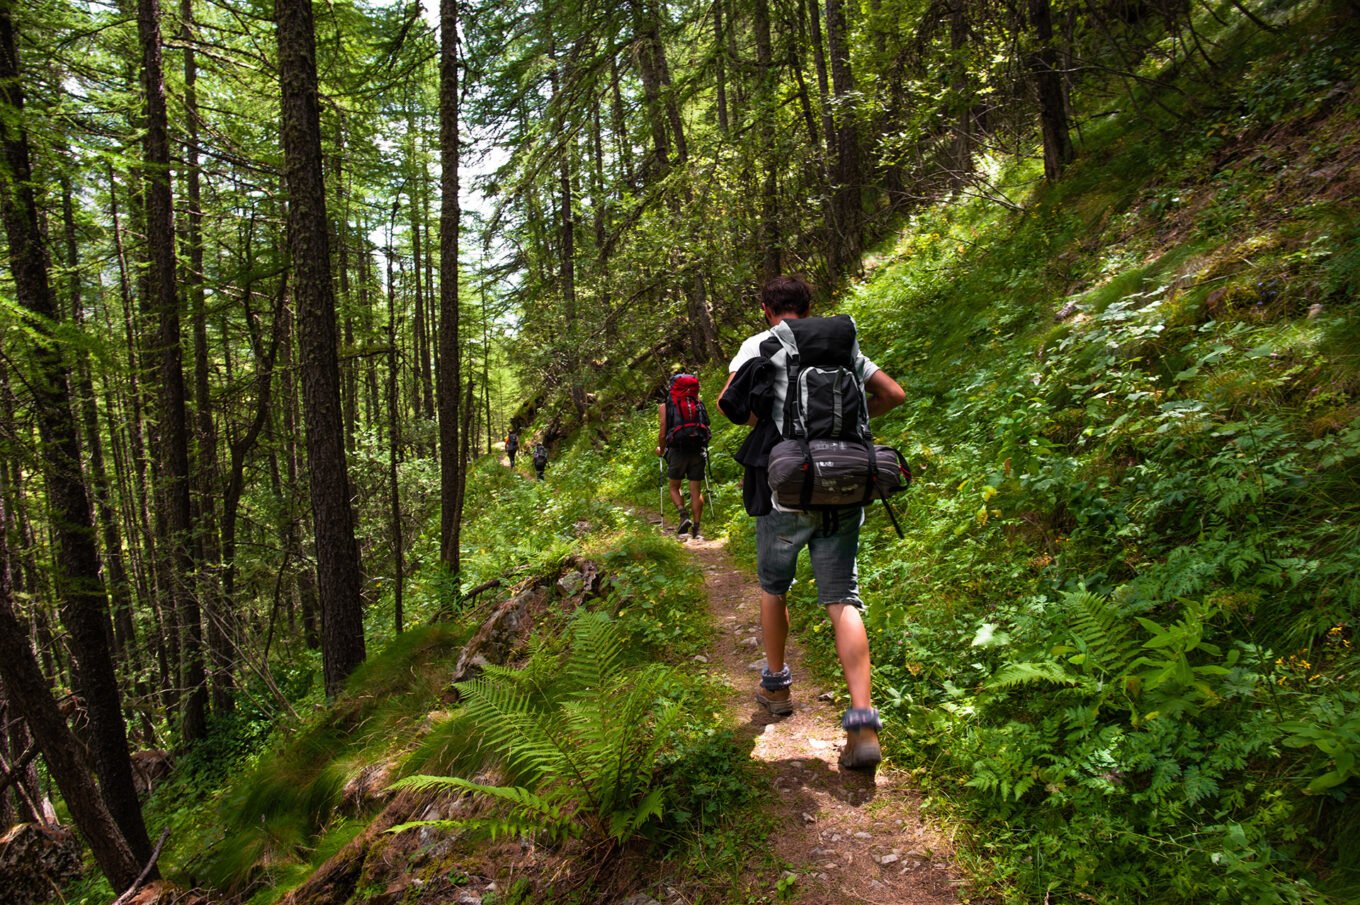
[1118, 637]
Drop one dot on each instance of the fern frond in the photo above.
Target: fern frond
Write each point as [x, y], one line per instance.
[510, 724]
[1103, 634]
[1016, 675]
[596, 654]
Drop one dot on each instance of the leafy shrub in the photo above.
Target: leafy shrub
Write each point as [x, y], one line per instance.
[577, 739]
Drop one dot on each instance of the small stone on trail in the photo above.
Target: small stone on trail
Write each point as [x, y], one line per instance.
[821, 852]
[758, 665]
[818, 744]
[863, 835]
[700, 658]
[835, 837]
[827, 697]
[918, 855]
[640, 899]
[808, 818]
[890, 858]
[752, 641]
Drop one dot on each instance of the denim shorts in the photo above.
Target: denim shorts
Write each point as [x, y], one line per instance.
[832, 539]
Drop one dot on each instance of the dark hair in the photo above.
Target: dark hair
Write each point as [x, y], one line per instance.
[786, 295]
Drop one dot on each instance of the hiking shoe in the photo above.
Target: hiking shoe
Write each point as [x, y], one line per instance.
[694, 533]
[685, 524]
[862, 751]
[773, 693]
[778, 703]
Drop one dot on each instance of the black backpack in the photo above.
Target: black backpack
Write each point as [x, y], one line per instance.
[540, 455]
[687, 424]
[828, 458]
[512, 442]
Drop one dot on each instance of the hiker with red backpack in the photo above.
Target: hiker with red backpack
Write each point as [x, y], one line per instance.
[682, 439]
[811, 467]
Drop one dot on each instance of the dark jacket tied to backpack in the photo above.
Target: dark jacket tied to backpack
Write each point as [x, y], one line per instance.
[687, 424]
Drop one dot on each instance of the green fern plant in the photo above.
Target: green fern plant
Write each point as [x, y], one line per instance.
[576, 738]
[1102, 642]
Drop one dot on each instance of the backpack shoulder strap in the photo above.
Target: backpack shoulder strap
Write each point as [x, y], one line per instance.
[784, 333]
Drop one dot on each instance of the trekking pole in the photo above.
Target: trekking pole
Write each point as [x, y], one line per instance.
[708, 487]
[661, 488]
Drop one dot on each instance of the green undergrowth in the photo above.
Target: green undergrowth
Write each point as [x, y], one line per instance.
[257, 811]
[1117, 639]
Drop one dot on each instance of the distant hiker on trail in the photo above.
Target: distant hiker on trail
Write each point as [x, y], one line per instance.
[682, 438]
[540, 458]
[512, 446]
[757, 394]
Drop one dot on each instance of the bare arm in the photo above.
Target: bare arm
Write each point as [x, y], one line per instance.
[884, 393]
[661, 428]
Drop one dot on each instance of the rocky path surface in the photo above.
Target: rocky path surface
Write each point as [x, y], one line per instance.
[846, 836]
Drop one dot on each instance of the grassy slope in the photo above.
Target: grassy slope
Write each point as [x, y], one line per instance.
[1125, 608]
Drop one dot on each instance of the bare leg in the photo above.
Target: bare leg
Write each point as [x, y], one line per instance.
[676, 497]
[852, 646]
[696, 499]
[774, 624]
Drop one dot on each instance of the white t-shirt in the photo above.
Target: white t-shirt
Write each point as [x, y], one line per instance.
[750, 348]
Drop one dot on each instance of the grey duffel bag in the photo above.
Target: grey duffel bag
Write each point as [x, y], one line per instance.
[822, 474]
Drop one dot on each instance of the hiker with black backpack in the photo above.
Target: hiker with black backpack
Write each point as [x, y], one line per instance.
[540, 456]
[512, 446]
[682, 439]
[807, 392]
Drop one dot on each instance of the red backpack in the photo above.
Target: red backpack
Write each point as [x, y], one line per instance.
[686, 418]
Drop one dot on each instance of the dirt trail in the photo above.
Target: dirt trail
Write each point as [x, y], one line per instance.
[847, 836]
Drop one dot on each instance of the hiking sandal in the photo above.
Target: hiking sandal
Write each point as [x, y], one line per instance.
[862, 751]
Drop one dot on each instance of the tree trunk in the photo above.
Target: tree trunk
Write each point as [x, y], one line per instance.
[337, 554]
[84, 606]
[961, 145]
[1052, 105]
[124, 640]
[720, 66]
[394, 440]
[765, 120]
[32, 700]
[845, 176]
[451, 474]
[174, 431]
[215, 609]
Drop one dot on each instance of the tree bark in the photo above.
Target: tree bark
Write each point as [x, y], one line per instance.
[394, 441]
[31, 698]
[174, 431]
[961, 146]
[83, 603]
[765, 120]
[337, 554]
[845, 176]
[1052, 105]
[124, 640]
[451, 474]
[216, 611]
